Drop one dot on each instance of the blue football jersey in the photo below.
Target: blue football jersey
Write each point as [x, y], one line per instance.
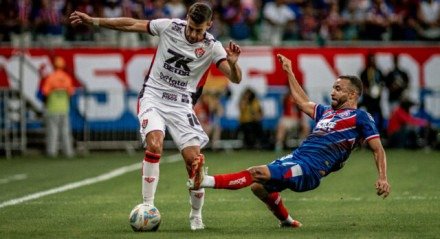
[335, 135]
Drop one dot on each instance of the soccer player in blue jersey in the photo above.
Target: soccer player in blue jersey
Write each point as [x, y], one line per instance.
[339, 129]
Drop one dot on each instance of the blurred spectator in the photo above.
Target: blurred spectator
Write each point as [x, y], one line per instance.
[112, 8]
[397, 83]
[177, 8]
[218, 28]
[333, 23]
[373, 81]
[354, 18]
[133, 9]
[377, 22]
[309, 23]
[57, 88]
[277, 18]
[156, 9]
[251, 116]
[49, 23]
[15, 22]
[240, 18]
[404, 20]
[291, 121]
[407, 131]
[80, 32]
[209, 111]
[429, 18]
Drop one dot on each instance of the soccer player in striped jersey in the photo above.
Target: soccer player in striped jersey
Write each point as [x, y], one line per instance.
[339, 128]
[174, 82]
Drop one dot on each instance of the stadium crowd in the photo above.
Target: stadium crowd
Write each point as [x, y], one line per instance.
[256, 21]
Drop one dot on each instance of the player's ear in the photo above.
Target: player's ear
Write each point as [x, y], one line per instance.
[209, 24]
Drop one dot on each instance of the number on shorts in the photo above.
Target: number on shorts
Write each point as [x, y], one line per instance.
[192, 120]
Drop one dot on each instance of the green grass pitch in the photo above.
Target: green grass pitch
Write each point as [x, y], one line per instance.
[344, 206]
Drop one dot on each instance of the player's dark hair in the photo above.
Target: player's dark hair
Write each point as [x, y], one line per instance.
[200, 12]
[355, 82]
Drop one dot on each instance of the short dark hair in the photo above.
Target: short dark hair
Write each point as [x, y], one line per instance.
[355, 82]
[200, 12]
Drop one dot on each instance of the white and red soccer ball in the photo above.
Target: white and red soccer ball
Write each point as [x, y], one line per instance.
[144, 217]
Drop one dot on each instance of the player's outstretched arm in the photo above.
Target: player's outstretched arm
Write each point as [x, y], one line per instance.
[301, 98]
[120, 23]
[382, 186]
[230, 67]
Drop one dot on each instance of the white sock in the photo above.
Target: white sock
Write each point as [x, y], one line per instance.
[288, 220]
[197, 198]
[208, 182]
[150, 179]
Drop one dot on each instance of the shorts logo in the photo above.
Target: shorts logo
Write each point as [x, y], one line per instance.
[199, 52]
[144, 123]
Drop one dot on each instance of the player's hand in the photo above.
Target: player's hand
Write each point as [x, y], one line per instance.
[77, 18]
[232, 51]
[285, 63]
[383, 188]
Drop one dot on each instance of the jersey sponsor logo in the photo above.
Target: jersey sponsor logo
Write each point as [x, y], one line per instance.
[177, 64]
[173, 82]
[169, 96]
[237, 181]
[325, 125]
[176, 27]
[199, 52]
[344, 114]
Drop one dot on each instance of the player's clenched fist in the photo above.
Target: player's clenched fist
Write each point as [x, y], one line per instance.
[383, 188]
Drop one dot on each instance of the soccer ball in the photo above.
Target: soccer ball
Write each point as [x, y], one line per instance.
[144, 217]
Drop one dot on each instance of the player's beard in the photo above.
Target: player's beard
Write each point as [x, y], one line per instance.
[339, 103]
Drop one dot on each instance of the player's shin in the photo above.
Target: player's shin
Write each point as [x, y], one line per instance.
[275, 203]
[150, 176]
[197, 199]
[233, 180]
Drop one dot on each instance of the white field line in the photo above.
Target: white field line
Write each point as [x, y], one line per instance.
[88, 181]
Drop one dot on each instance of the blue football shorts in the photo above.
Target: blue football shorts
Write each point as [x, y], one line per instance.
[290, 173]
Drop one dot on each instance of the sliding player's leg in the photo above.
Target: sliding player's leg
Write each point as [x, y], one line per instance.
[275, 204]
[234, 181]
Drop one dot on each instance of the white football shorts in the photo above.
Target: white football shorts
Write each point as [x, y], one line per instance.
[157, 113]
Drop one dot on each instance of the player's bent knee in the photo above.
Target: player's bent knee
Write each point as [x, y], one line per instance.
[259, 173]
[154, 147]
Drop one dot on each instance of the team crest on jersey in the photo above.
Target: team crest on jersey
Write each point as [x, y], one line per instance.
[199, 52]
[144, 123]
